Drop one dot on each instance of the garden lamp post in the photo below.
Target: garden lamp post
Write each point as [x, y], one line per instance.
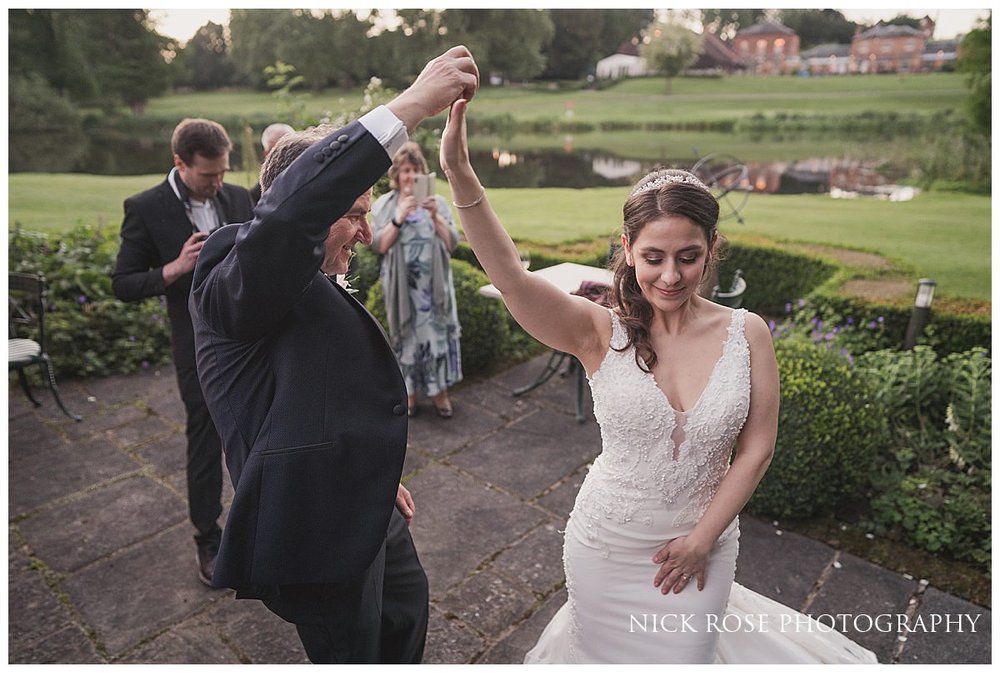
[921, 311]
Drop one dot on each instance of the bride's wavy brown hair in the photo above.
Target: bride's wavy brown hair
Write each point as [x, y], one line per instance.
[680, 194]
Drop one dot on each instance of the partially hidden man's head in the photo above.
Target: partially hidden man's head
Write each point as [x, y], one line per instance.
[201, 154]
[351, 228]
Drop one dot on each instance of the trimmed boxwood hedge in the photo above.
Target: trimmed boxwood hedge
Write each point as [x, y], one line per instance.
[828, 434]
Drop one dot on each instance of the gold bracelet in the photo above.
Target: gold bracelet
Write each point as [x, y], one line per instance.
[474, 203]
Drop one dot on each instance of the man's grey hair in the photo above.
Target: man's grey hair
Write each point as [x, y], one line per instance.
[288, 149]
[272, 134]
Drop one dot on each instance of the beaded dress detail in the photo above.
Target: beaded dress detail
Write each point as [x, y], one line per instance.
[657, 473]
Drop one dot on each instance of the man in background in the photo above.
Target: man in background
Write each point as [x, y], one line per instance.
[161, 236]
[271, 135]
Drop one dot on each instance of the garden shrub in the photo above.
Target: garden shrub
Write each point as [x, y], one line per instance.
[485, 330]
[828, 434]
[861, 325]
[774, 277]
[932, 480]
[90, 332]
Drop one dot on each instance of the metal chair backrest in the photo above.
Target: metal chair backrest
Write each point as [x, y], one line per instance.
[26, 295]
[732, 298]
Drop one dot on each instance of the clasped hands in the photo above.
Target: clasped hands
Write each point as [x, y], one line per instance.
[681, 560]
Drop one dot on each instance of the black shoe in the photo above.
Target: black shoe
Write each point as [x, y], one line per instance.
[206, 563]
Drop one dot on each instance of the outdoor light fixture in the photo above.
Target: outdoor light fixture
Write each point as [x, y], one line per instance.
[921, 311]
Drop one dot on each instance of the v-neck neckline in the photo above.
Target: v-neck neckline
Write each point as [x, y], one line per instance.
[711, 376]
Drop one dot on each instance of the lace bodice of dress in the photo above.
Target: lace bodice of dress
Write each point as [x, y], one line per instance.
[655, 458]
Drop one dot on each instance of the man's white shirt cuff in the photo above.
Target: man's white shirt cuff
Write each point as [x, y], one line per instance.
[386, 128]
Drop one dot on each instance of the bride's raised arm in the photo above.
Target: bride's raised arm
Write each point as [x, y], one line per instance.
[561, 321]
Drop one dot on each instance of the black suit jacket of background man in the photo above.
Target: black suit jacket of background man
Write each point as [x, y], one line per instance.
[300, 381]
[153, 232]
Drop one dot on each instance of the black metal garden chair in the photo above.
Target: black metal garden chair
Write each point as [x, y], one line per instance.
[26, 345]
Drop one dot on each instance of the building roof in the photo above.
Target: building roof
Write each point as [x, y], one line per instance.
[882, 30]
[826, 51]
[767, 28]
[716, 53]
[941, 45]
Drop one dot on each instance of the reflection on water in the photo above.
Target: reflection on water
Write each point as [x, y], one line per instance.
[554, 168]
[112, 151]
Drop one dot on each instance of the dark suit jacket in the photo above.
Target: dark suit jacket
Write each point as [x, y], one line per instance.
[153, 232]
[300, 381]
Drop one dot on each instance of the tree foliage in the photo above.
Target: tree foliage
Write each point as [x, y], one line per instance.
[727, 22]
[671, 48]
[976, 63]
[204, 62]
[508, 43]
[105, 57]
[584, 36]
[818, 26]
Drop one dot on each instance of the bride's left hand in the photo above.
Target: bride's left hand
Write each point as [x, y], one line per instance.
[681, 560]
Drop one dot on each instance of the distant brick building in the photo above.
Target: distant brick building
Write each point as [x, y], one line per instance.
[768, 48]
[886, 48]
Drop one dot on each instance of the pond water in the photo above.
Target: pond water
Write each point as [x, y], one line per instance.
[117, 153]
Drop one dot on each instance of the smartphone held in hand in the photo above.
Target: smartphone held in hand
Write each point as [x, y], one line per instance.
[423, 186]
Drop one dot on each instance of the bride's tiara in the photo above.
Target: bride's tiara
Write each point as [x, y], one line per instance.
[685, 178]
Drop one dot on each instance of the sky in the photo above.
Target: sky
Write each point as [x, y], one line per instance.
[182, 23]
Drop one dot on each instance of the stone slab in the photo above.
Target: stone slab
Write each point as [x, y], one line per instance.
[414, 461]
[782, 567]
[143, 385]
[256, 634]
[195, 641]
[68, 645]
[449, 641]
[512, 648]
[35, 612]
[167, 454]
[535, 561]
[37, 477]
[488, 603]
[496, 399]
[141, 590]
[562, 496]
[102, 521]
[144, 429]
[533, 453]
[436, 436]
[862, 588]
[461, 523]
[963, 635]
[102, 420]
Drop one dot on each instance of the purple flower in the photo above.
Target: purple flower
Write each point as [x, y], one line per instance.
[773, 326]
[788, 308]
[156, 317]
[802, 302]
[850, 321]
[131, 338]
[829, 336]
[881, 318]
[871, 324]
[144, 364]
[844, 352]
[82, 299]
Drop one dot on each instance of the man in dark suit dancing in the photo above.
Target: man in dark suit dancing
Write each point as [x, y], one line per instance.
[162, 234]
[307, 395]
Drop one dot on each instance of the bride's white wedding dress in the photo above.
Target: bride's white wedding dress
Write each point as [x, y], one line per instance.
[654, 479]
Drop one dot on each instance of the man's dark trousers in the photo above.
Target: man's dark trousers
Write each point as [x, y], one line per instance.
[380, 617]
[204, 461]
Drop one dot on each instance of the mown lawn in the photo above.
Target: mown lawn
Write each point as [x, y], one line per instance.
[944, 236]
[637, 100]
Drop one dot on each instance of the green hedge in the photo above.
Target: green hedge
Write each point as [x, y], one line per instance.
[828, 434]
[774, 277]
[90, 332]
[486, 338]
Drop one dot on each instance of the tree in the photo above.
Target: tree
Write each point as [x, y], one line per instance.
[255, 35]
[204, 62]
[904, 20]
[976, 62]
[727, 22]
[818, 26]
[584, 36]
[508, 43]
[105, 57]
[670, 48]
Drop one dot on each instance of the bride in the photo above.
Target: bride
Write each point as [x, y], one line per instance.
[680, 384]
